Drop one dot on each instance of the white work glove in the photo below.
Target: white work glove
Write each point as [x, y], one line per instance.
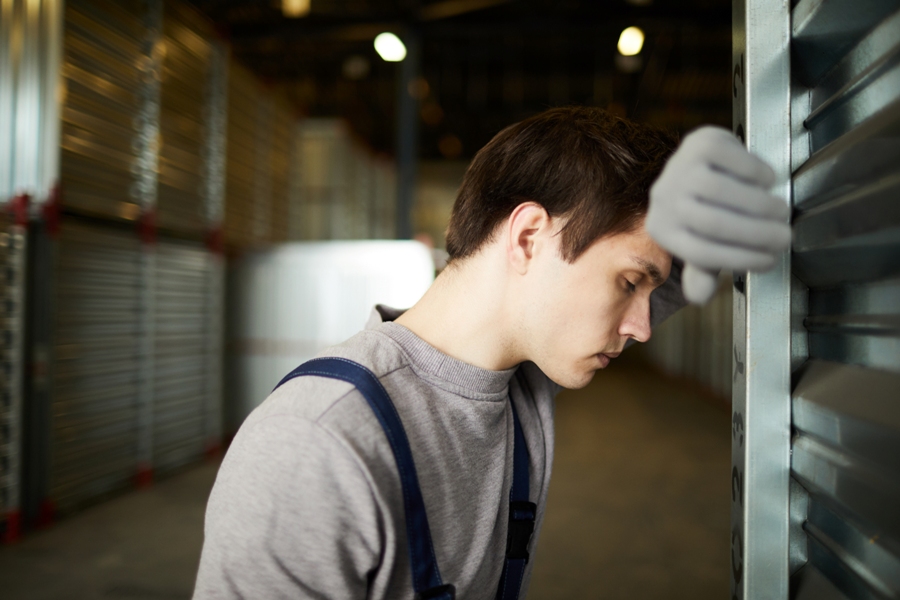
[711, 207]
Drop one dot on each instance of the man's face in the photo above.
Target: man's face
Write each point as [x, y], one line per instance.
[581, 314]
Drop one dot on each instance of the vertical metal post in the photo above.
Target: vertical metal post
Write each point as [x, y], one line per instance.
[216, 140]
[762, 327]
[30, 75]
[407, 133]
[52, 15]
[7, 97]
[13, 240]
[147, 184]
[26, 155]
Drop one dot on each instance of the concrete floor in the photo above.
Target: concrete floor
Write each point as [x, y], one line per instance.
[639, 504]
[638, 508]
[143, 545]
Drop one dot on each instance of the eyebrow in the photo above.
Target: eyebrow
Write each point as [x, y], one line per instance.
[652, 269]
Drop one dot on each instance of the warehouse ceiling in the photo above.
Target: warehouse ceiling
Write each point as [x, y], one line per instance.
[488, 63]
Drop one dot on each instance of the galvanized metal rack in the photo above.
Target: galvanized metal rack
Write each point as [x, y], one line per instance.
[135, 312]
[30, 44]
[13, 237]
[816, 411]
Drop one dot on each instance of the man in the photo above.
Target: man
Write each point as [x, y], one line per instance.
[552, 271]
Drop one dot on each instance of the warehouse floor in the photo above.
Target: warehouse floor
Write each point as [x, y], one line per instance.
[638, 508]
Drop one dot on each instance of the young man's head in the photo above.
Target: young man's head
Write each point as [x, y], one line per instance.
[561, 199]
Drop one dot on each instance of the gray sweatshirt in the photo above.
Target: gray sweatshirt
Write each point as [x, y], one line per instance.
[308, 504]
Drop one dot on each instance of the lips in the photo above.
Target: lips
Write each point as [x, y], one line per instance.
[605, 357]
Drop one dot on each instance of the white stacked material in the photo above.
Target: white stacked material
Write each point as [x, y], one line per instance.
[293, 301]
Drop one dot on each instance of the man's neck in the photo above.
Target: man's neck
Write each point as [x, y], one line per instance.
[465, 314]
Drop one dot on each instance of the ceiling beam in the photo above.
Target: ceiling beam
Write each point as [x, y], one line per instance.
[453, 8]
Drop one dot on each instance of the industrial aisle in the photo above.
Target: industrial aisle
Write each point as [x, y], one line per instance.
[639, 501]
[639, 508]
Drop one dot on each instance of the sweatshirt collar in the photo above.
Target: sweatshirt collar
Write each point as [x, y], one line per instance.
[432, 361]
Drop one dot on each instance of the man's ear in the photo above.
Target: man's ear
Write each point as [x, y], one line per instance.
[527, 229]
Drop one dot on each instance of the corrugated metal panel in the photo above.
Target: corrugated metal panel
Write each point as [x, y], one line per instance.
[181, 345]
[102, 70]
[846, 403]
[184, 92]
[12, 309]
[96, 375]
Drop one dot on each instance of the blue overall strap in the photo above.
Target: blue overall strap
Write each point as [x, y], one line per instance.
[425, 575]
[522, 515]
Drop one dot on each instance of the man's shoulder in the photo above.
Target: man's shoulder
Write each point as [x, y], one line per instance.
[311, 397]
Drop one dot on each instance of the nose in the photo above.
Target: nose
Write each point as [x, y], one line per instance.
[636, 321]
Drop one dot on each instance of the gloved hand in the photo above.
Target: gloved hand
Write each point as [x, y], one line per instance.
[710, 207]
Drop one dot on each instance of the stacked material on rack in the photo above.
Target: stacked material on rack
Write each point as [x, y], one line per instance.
[345, 192]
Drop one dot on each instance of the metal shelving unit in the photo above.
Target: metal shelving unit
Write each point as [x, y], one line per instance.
[97, 356]
[181, 363]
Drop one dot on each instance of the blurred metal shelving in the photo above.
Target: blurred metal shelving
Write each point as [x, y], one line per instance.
[13, 238]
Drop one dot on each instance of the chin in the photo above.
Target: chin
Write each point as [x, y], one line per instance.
[573, 380]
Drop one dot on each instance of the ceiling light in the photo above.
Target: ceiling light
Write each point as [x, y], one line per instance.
[389, 47]
[631, 41]
[295, 8]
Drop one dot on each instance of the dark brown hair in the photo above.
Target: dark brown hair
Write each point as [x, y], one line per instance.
[580, 163]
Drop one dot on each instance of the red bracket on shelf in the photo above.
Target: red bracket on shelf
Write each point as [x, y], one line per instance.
[13, 531]
[147, 227]
[215, 241]
[144, 476]
[213, 450]
[50, 211]
[18, 206]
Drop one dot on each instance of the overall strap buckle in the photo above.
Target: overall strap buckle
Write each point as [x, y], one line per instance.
[521, 526]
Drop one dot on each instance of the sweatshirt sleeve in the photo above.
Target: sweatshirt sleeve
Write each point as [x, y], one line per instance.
[291, 515]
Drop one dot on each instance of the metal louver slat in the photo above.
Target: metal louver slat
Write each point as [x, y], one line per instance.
[847, 420]
[846, 398]
[181, 346]
[97, 363]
